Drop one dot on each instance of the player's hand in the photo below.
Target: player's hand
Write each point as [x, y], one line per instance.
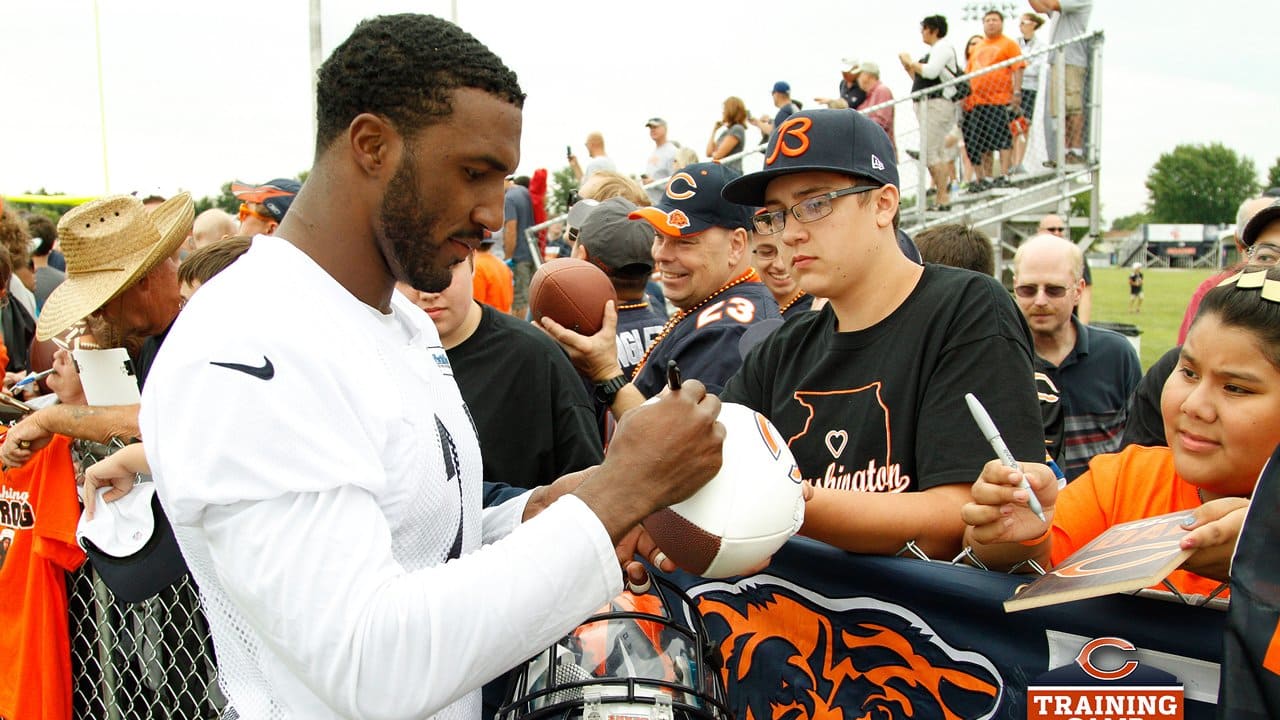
[23, 440]
[595, 356]
[541, 497]
[1213, 535]
[661, 454]
[999, 511]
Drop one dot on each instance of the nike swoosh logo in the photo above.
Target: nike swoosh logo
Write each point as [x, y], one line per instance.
[265, 372]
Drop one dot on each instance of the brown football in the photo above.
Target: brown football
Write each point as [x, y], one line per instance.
[572, 292]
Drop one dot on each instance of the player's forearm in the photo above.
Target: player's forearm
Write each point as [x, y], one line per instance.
[413, 631]
[90, 422]
[882, 523]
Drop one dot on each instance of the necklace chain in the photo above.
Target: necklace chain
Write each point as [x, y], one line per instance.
[799, 294]
[747, 276]
[633, 306]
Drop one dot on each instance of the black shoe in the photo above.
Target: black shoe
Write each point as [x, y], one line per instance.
[942, 208]
[1050, 163]
[978, 186]
[931, 192]
[1000, 182]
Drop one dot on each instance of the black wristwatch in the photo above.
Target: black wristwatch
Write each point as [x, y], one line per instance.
[606, 391]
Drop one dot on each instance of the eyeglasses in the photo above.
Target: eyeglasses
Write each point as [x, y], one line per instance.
[1030, 291]
[807, 210]
[767, 253]
[1264, 254]
[246, 211]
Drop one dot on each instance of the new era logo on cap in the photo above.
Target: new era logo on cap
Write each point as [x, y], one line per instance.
[692, 202]
[840, 141]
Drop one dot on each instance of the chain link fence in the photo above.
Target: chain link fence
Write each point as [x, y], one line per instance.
[149, 660]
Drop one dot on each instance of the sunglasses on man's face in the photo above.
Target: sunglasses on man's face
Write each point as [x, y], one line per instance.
[1030, 291]
[246, 211]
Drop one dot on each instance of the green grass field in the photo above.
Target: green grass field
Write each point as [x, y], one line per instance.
[1167, 293]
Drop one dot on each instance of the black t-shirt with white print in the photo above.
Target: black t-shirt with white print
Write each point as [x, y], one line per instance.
[883, 409]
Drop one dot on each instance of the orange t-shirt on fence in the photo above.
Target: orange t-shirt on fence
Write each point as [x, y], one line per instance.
[39, 511]
[996, 87]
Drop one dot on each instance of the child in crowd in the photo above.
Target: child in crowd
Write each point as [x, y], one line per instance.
[1221, 411]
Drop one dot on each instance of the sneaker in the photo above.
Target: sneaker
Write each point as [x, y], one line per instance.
[931, 192]
[1075, 158]
[1050, 164]
[1018, 170]
[977, 186]
[1000, 182]
[942, 208]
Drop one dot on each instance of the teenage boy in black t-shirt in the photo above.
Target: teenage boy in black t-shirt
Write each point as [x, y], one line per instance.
[869, 391]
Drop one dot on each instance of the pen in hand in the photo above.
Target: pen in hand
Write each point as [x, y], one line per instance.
[1006, 458]
[673, 375]
[32, 378]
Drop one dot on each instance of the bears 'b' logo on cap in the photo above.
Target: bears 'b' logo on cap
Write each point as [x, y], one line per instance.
[685, 181]
[793, 139]
[678, 219]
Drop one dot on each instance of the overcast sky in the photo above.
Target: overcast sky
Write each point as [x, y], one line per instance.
[201, 93]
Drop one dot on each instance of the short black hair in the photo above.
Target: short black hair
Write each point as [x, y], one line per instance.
[992, 11]
[405, 68]
[936, 23]
[43, 228]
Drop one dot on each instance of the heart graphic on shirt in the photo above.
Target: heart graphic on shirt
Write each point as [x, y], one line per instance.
[836, 440]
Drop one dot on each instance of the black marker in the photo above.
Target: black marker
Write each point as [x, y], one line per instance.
[673, 375]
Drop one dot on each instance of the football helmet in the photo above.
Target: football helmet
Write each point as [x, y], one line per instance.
[634, 659]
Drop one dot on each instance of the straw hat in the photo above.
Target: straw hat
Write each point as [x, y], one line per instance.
[109, 245]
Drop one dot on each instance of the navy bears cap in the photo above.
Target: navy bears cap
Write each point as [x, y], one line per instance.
[692, 202]
[842, 141]
[276, 195]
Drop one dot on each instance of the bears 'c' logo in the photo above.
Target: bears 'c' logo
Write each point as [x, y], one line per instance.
[797, 129]
[686, 180]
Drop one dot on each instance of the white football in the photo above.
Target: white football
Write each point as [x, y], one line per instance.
[745, 513]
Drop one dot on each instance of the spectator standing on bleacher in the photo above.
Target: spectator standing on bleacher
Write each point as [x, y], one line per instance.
[1094, 369]
[1025, 111]
[877, 94]
[729, 136]
[987, 109]
[848, 94]
[937, 109]
[662, 161]
[786, 108]
[1071, 19]
[597, 159]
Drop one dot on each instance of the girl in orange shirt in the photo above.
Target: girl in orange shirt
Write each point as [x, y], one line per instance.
[1221, 410]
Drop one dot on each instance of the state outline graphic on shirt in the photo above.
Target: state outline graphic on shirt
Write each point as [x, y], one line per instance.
[881, 473]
